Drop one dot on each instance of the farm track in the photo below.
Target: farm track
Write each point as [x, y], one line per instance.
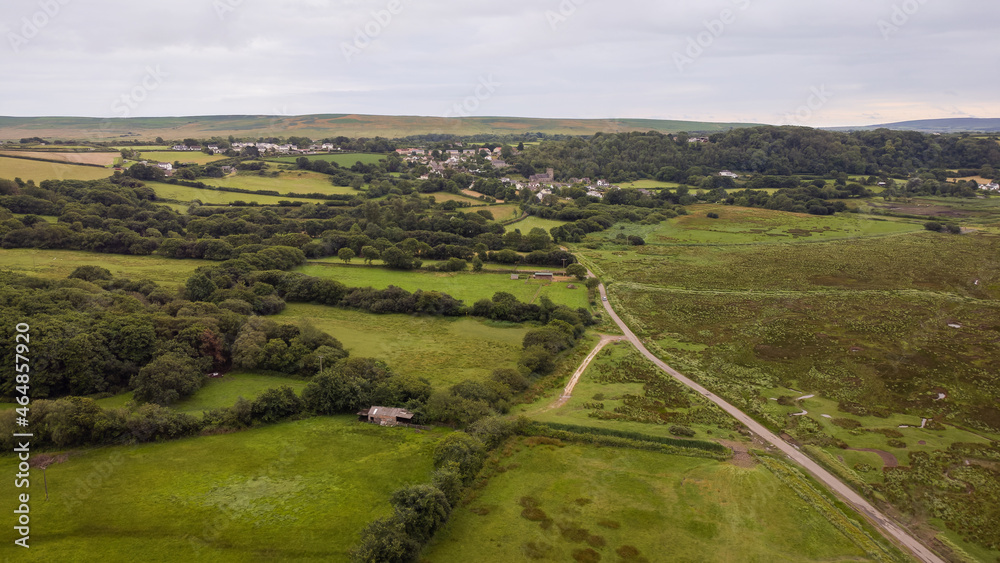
[567, 393]
[889, 528]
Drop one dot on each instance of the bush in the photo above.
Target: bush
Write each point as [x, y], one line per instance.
[848, 423]
[276, 404]
[713, 215]
[933, 226]
[682, 431]
[463, 450]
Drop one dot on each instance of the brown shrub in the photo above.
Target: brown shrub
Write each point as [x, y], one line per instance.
[573, 532]
[583, 501]
[627, 552]
[610, 524]
[596, 541]
[539, 550]
[528, 502]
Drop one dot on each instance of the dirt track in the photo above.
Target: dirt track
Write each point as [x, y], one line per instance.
[889, 528]
[568, 391]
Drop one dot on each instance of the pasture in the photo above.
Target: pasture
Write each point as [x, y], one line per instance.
[292, 491]
[217, 197]
[468, 287]
[184, 157]
[61, 263]
[343, 160]
[444, 350]
[38, 171]
[99, 158]
[287, 182]
[554, 502]
[531, 222]
[223, 392]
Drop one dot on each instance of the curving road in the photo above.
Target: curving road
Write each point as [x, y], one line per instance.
[879, 520]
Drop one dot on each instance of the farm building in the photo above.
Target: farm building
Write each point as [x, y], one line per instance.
[544, 276]
[385, 416]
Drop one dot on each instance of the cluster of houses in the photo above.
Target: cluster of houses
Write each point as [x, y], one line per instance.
[274, 148]
[991, 187]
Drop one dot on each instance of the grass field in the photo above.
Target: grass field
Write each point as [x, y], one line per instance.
[466, 286]
[11, 168]
[649, 185]
[666, 508]
[296, 491]
[631, 402]
[287, 182]
[529, 223]
[183, 157]
[343, 160]
[884, 327]
[444, 350]
[224, 391]
[101, 158]
[61, 263]
[186, 194]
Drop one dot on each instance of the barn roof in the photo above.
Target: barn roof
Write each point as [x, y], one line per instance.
[386, 412]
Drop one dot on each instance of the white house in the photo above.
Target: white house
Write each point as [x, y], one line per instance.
[728, 174]
[991, 187]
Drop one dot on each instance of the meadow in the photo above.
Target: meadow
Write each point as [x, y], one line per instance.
[343, 160]
[295, 491]
[100, 158]
[224, 391]
[217, 197]
[548, 501]
[287, 182]
[61, 263]
[443, 350]
[38, 171]
[871, 328]
[468, 287]
[184, 157]
[532, 222]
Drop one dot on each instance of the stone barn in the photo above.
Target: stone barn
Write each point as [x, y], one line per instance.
[385, 416]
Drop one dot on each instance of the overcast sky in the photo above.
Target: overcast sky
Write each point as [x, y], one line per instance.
[808, 62]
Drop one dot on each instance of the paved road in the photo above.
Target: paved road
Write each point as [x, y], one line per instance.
[887, 526]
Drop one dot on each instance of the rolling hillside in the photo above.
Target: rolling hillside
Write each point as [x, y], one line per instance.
[319, 126]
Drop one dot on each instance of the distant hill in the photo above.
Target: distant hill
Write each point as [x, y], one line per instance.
[327, 125]
[956, 125]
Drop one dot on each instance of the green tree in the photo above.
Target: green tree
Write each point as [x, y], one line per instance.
[199, 287]
[370, 253]
[577, 270]
[422, 509]
[346, 254]
[385, 541]
[465, 451]
[166, 379]
[477, 264]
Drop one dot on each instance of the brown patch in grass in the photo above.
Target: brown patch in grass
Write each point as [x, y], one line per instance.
[536, 550]
[573, 532]
[609, 524]
[596, 541]
[583, 501]
[528, 502]
[586, 555]
[482, 510]
[534, 514]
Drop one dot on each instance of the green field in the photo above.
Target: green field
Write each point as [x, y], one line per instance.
[296, 491]
[529, 223]
[649, 185]
[287, 182]
[613, 393]
[184, 157]
[464, 286]
[328, 125]
[61, 263]
[343, 160]
[224, 391]
[884, 328]
[217, 197]
[37, 170]
[444, 350]
[667, 508]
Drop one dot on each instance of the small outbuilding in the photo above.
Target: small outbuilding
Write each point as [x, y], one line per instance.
[544, 276]
[385, 416]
